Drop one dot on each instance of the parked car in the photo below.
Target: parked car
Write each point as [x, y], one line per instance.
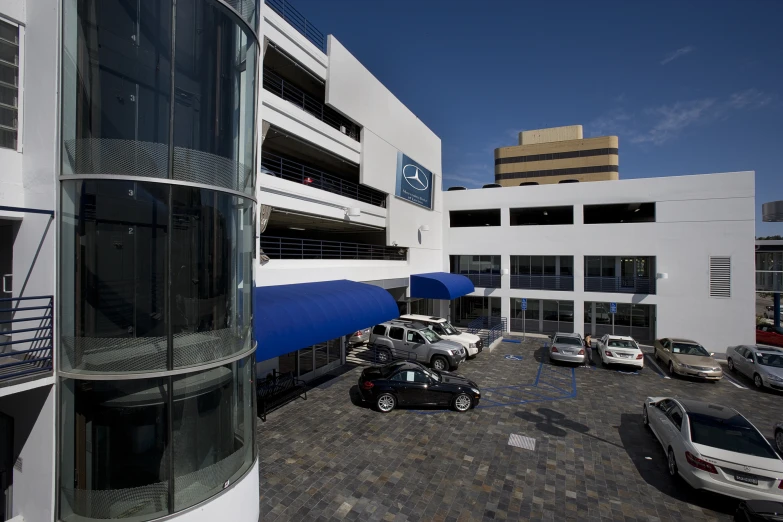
[769, 338]
[689, 358]
[567, 347]
[763, 364]
[472, 343]
[412, 340]
[359, 337]
[779, 437]
[770, 328]
[619, 349]
[769, 313]
[758, 511]
[408, 383]
[715, 448]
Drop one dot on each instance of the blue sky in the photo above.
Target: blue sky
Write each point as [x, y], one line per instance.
[689, 87]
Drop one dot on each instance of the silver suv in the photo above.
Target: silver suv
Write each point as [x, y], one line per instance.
[415, 341]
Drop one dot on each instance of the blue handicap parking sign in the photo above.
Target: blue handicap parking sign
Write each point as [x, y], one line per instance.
[612, 308]
[514, 357]
[524, 304]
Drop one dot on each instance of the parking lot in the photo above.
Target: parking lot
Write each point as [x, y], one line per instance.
[586, 454]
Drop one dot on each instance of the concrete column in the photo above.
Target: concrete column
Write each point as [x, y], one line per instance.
[505, 309]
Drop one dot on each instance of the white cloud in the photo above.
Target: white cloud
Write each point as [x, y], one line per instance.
[672, 119]
[751, 98]
[682, 51]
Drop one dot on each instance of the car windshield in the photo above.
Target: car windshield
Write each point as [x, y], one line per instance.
[568, 340]
[689, 349]
[733, 434]
[622, 343]
[770, 359]
[430, 335]
[432, 375]
[450, 330]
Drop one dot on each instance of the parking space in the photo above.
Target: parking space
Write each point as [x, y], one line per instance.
[546, 443]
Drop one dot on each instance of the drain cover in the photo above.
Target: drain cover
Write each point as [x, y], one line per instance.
[520, 441]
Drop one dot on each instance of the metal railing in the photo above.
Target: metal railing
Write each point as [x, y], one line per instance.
[292, 171]
[769, 281]
[298, 22]
[290, 92]
[543, 282]
[488, 328]
[26, 348]
[484, 280]
[291, 248]
[622, 285]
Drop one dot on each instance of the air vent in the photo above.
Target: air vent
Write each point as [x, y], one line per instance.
[720, 276]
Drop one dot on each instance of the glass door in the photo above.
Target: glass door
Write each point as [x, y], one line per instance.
[628, 272]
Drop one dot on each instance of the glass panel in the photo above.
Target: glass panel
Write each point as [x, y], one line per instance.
[114, 450]
[334, 350]
[287, 363]
[640, 316]
[602, 315]
[524, 265]
[496, 265]
[116, 87]
[550, 267]
[321, 356]
[588, 313]
[464, 265]
[214, 116]
[566, 311]
[536, 265]
[486, 265]
[593, 266]
[210, 316]
[533, 309]
[113, 266]
[567, 265]
[550, 310]
[305, 360]
[607, 266]
[623, 315]
[213, 427]
[494, 304]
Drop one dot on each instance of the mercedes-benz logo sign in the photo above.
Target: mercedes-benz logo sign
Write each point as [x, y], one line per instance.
[746, 468]
[415, 177]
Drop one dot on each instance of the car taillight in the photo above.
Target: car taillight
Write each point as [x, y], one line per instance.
[703, 465]
[581, 352]
[608, 353]
[358, 334]
[640, 356]
[781, 485]
[367, 385]
[554, 349]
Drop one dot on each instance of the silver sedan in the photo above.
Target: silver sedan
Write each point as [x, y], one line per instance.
[567, 348]
[763, 364]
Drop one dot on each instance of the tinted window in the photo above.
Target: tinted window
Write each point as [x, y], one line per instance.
[411, 376]
[438, 330]
[415, 337]
[396, 332]
[689, 349]
[379, 330]
[541, 216]
[733, 434]
[770, 359]
[474, 218]
[568, 340]
[622, 213]
[664, 405]
[621, 343]
[675, 415]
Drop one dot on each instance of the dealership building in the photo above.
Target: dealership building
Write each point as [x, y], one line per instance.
[196, 194]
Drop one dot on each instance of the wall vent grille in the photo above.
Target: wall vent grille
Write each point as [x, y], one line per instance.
[720, 276]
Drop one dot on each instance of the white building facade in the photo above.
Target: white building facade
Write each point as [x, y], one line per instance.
[675, 255]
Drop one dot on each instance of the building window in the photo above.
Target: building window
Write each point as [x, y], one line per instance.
[483, 271]
[556, 172]
[542, 272]
[542, 216]
[10, 84]
[542, 315]
[557, 155]
[474, 218]
[634, 320]
[469, 308]
[115, 439]
[622, 213]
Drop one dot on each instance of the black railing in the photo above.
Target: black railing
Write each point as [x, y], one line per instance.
[298, 22]
[488, 328]
[769, 281]
[291, 248]
[26, 338]
[484, 280]
[622, 285]
[290, 92]
[292, 171]
[543, 282]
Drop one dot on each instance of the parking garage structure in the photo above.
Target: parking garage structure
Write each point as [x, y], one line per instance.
[157, 199]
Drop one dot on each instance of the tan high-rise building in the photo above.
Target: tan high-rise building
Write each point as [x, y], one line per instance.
[557, 155]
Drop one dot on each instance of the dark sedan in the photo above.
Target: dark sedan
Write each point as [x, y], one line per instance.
[409, 383]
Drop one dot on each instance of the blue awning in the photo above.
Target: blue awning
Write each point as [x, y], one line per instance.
[290, 317]
[440, 285]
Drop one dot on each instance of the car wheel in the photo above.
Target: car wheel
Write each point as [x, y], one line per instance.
[672, 464]
[779, 440]
[383, 356]
[440, 363]
[730, 364]
[462, 402]
[645, 417]
[385, 402]
[671, 369]
[757, 381]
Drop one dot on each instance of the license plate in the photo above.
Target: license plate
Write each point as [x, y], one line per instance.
[626, 355]
[702, 374]
[568, 352]
[747, 479]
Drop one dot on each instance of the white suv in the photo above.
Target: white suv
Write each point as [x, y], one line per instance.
[472, 343]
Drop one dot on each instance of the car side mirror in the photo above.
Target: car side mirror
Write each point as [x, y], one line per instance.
[750, 359]
[666, 350]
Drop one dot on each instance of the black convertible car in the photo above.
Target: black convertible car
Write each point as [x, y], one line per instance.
[409, 383]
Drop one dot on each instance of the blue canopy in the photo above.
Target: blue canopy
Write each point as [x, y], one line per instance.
[440, 285]
[290, 317]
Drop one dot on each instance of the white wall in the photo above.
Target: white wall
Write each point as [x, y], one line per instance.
[697, 217]
[292, 41]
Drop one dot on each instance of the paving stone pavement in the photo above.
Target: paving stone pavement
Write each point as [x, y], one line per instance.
[331, 458]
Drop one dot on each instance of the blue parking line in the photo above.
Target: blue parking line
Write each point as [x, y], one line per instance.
[538, 375]
[512, 341]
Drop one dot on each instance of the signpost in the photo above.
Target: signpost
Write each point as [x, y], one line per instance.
[524, 319]
[612, 310]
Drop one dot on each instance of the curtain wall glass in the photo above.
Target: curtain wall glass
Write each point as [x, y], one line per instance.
[634, 320]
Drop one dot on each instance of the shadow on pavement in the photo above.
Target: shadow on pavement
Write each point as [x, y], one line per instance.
[640, 443]
[356, 397]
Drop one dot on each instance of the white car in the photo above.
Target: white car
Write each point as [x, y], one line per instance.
[472, 343]
[715, 448]
[618, 349]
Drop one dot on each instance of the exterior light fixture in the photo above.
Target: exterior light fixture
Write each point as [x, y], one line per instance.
[637, 210]
[353, 212]
[546, 213]
[424, 228]
[504, 271]
[662, 275]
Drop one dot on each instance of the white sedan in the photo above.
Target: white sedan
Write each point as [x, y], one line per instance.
[715, 448]
[618, 349]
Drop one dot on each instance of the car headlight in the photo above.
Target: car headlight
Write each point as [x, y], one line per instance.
[774, 378]
[475, 391]
[453, 352]
[472, 345]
